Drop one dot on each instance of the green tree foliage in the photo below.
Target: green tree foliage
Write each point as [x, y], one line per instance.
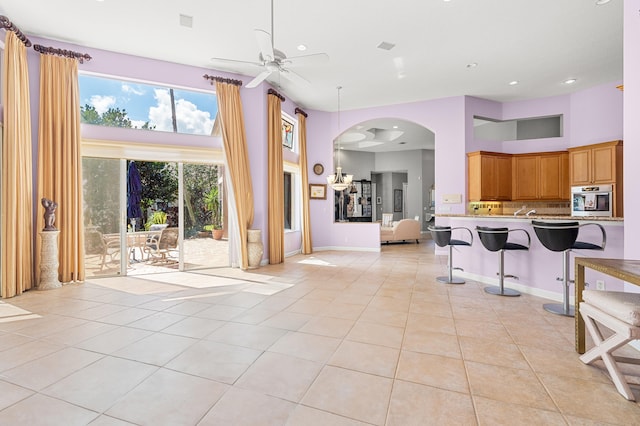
[159, 182]
[113, 117]
[199, 179]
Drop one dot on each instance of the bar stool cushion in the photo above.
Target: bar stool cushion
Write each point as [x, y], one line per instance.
[581, 245]
[556, 236]
[624, 306]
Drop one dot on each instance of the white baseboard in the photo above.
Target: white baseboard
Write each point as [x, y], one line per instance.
[546, 294]
[336, 248]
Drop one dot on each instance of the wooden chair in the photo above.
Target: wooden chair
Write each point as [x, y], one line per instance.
[159, 246]
[620, 313]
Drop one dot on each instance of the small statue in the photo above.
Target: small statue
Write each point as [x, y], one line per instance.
[49, 214]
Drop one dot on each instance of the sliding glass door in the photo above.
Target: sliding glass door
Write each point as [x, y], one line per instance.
[205, 241]
[145, 217]
[101, 191]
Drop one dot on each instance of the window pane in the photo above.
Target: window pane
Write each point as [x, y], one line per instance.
[120, 103]
[101, 216]
[287, 201]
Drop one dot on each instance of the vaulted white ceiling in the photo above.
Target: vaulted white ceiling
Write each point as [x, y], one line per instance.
[540, 43]
[440, 48]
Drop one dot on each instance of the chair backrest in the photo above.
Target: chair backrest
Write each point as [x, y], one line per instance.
[556, 236]
[168, 239]
[441, 235]
[493, 239]
[387, 219]
[158, 226]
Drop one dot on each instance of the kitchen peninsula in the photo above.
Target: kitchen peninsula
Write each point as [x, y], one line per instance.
[538, 267]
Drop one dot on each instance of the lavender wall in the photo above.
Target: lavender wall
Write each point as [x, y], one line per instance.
[591, 115]
[631, 131]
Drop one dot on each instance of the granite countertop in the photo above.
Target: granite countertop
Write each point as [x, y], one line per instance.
[534, 217]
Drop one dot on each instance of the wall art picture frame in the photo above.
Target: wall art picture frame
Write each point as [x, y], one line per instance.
[397, 200]
[288, 128]
[318, 191]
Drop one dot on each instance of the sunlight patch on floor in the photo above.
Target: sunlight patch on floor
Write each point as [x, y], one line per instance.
[10, 313]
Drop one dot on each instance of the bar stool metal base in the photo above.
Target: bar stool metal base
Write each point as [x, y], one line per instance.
[450, 280]
[502, 291]
[559, 309]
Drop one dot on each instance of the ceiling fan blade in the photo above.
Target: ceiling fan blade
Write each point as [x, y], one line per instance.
[259, 79]
[313, 59]
[295, 77]
[265, 44]
[234, 62]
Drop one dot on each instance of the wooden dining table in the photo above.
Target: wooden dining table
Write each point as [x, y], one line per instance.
[626, 270]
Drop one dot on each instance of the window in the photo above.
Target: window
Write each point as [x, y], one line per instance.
[288, 195]
[121, 103]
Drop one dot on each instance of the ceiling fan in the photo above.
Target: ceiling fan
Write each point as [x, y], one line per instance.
[273, 60]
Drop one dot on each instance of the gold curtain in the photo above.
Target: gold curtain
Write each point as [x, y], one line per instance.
[234, 139]
[17, 206]
[60, 162]
[275, 182]
[307, 248]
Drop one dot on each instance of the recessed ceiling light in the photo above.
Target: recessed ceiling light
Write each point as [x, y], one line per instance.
[513, 83]
[570, 81]
[302, 47]
[472, 65]
[186, 21]
[601, 2]
[395, 127]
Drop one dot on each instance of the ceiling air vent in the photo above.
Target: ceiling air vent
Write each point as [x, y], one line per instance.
[386, 45]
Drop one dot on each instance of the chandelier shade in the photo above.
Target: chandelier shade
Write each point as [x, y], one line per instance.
[338, 181]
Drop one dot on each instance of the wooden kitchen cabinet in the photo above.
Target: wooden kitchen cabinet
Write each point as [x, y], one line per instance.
[489, 177]
[596, 164]
[541, 176]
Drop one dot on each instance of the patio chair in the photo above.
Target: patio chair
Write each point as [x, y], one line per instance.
[103, 245]
[159, 246]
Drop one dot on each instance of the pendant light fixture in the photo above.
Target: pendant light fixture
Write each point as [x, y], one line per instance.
[338, 181]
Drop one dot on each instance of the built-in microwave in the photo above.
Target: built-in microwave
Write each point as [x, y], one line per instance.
[594, 200]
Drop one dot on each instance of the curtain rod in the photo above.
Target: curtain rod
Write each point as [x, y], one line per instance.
[8, 25]
[81, 57]
[273, 92]
[214, 78]
[299, 111]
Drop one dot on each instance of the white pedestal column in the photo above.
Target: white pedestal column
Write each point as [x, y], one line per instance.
[49, 261]
[255, 248]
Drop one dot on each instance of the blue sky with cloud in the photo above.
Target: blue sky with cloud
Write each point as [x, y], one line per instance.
[195, 111]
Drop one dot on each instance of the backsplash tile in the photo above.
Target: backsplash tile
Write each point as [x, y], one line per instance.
[556, 208]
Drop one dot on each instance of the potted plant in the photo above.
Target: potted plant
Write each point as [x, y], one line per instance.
[157, 218]
[212, 203]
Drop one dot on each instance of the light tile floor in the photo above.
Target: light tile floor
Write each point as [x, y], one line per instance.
[336, 338]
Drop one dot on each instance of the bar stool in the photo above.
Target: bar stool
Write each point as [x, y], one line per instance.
[495, 239]
[442, 237]
[561, 237]
[620, 313]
